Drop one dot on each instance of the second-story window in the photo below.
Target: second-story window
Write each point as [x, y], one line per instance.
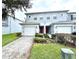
[54, 17]
[4, 22]
[71, 17]
[29, 16]
[35, 18]
[74, 27]
[74, 17]
[41, 18]
[61, 14]
[48, 18]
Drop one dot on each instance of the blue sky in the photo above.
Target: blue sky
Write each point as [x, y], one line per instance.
[48, 5]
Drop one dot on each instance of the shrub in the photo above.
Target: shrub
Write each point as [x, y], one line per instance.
[18, 34]
[40, 40]
[73, 37]
[52, 41]
[38, 35]
[61, 39]
[73, 33]
[46, 36]
[53, 36]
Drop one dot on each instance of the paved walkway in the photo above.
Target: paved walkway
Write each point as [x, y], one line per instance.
[19, 49]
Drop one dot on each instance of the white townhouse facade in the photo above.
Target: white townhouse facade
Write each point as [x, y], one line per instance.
[50, 22]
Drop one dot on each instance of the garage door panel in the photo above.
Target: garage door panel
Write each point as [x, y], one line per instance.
[29, 31]
[63, 29]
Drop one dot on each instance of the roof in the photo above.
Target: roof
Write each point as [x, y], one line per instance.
[72, 13]
[47, 12]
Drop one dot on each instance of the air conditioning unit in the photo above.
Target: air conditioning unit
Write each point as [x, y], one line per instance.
[66, 53]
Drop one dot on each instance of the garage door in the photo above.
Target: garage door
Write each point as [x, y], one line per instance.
[29, 31]
[63, 29]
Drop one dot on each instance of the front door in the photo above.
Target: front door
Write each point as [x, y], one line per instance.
[47, 29]
[41, 29]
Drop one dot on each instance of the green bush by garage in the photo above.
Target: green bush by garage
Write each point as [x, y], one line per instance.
[41, 35]
[40, 40]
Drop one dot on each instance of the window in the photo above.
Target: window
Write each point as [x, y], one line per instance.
[71, 17]
[35, 18]
[29, 16]
[48, 17]
[74, 27]
[54, 17]
[61, 14]
[4, 22]
[36, 26]
[41, 18]
[74, 17]
[56, 27]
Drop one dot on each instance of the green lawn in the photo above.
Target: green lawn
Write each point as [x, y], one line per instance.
[48, 51]
[7, 38]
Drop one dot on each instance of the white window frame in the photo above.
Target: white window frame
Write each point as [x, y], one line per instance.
[35, 18]
[54, 17]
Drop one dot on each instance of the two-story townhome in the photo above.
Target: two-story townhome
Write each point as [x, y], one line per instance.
[51, 22]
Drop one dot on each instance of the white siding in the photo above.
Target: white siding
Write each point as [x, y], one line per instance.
[45, 15]
[13, 26]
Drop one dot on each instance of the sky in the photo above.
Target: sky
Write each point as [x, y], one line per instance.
[45, 5]
[48, 5]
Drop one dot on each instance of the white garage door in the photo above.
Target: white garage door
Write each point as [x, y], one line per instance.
[63, 29]
[29, 31]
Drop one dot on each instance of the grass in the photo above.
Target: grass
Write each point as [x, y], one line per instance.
[48, 51]
[7, 38]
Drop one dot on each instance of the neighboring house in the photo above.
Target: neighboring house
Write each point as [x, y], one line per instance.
[11, 25]
[50, 22]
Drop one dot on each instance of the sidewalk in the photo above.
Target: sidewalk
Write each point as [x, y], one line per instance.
[19, 49]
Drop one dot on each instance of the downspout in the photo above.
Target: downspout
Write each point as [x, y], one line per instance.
[10, 26]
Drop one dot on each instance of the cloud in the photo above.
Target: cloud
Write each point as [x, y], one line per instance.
[47, 5]
[44, 5]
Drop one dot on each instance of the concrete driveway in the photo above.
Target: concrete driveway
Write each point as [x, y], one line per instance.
[18, 49]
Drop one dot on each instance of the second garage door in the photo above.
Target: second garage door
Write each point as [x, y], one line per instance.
[63, 29]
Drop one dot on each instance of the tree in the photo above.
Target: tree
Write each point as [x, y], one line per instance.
[11, 5]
